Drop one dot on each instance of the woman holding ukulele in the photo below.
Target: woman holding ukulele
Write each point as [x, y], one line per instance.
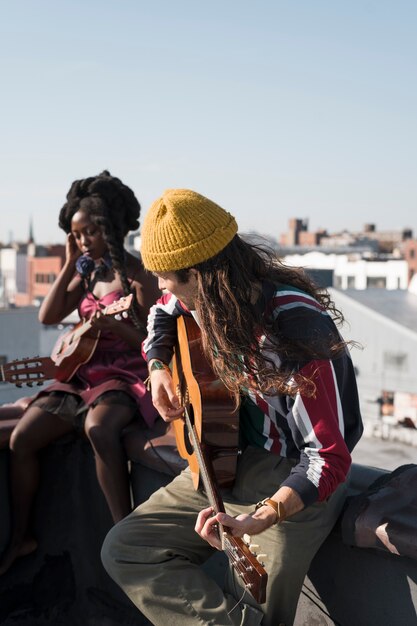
[106, 393]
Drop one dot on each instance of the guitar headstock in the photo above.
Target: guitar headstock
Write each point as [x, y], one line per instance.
[248, 564]
[30, 371]
[121, 305]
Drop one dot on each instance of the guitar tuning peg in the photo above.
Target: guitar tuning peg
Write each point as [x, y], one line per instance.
[118, 317]
[125, 314]
[29, 384]
[39, 384]
[247, 539]
[260, 558]
[253, 547]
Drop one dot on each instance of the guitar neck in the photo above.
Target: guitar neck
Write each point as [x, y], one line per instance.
[206, 472]
[246, 564]
[86, 326]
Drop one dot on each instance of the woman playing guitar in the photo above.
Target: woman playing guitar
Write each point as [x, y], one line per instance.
[106, 392]
[268, 334]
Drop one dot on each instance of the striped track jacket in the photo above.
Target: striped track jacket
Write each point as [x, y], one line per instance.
[318, 432]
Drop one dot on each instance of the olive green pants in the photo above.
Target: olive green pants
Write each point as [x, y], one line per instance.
[155, 555]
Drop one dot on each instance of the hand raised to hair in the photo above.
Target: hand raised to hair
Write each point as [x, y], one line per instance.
[72, 252]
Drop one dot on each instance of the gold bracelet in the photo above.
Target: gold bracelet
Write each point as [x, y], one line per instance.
[277, 506]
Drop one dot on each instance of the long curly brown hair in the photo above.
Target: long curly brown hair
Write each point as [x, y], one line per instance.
[115, 209]
[228, 286]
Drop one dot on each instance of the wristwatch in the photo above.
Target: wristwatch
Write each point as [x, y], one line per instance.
[158, 365]
[277, 506]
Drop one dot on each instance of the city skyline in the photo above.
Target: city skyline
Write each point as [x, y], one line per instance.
[275, 111]
[32, 229]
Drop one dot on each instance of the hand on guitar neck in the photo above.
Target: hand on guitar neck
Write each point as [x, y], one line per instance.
[244, 556]
[207, 525]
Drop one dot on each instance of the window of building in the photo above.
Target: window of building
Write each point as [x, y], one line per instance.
[396, 360]
[43, 279]
[3, 360]
[386, 403]
[351, 282]
[379, 282]
[412, 253]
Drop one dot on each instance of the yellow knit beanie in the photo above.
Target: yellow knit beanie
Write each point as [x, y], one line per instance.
[183, 228]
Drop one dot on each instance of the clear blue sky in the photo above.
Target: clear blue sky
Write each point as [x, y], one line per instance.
[273, 109]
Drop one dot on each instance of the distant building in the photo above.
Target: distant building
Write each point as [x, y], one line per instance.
[27, 271]
[41, 273]
[369, 258]
[410, 255]
[8, 268]
[377, 241]
[354, 270]
[384, 323]
[132, 243]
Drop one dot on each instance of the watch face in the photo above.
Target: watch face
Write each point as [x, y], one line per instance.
[157, 365]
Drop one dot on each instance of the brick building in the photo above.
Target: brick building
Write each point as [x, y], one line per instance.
[40, 274]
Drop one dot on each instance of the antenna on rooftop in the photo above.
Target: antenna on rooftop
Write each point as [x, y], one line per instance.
[31, 237]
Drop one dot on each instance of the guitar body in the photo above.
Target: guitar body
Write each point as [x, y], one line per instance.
[211, 407]
[70, 352]
[77, 346]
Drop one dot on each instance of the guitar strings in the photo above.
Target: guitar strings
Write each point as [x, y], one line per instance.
[237, 603]
[238, 565]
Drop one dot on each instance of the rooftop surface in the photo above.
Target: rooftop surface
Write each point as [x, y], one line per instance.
[398, 305]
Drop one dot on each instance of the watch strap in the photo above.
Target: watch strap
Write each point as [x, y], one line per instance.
[157, 364]
[277, 506]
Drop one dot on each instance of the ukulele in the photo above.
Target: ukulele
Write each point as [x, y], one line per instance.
[207, 438]
[30, 371]
[77, 346]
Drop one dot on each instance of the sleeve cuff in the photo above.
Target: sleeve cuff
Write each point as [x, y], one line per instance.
[308, 493]
[164, 355]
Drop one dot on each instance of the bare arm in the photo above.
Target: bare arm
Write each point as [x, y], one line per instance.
[66, 291]
[147, 292]
[253, 524]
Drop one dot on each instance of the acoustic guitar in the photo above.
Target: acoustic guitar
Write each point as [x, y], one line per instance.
[207, 438]
[77, 346]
